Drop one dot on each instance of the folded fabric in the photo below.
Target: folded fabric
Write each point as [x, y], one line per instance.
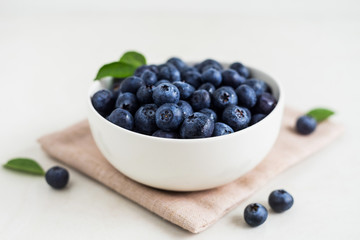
[193, 211]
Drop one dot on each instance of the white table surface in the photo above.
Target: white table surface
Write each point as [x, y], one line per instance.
[50, 54]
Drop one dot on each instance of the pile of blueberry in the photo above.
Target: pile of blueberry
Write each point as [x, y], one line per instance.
[175, 100]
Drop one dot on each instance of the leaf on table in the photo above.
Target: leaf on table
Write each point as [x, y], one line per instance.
[25, 165]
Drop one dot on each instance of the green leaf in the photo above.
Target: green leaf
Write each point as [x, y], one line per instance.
[320, 114]
[115, 69]
[133, 58]
[25, 165]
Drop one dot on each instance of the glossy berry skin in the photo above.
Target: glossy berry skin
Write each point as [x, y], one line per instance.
[240, 69]
[165, 93]
[257, 118]
[122, 118]
[178, 63]
[255, 214]
[236, 117]
[197, 125]
[212, 76]
[161, 81]
[165, 134]
[185, 89]
[186, 108]
[149, 77]
[200, 99]
[224, 96]
[145, 119]
[57, 177]
[131, 84]
[209, 63]
[280, 200]
[246, 96]
[169, 117]
[208, 87]
[144, 94]
[193, 78]
[222, 129]
[128, 102]
[259, 86]
[103, 101]
[210, 113]
[265, 103]
[169, 72]
[231, 78]
[305, 125]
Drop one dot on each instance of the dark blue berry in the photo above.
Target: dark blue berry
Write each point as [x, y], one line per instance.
[131, 84]
[169, 117]
[240, 69]
[210, 113]
[257, 118]
[57, 177]
[265, 103]
[246, 96]
[236, 117]
[305, 125]
[259, 86]
[193, 78]
[208, 87]
[103, 101]
[200, 99]
[209, 63]
[144, 94]
[178, 63]
[222, 129]
[128, 102]
[165, 134]
[145, 119]
[197, 125]
[224, 96]
[185, 89]
[213, 76]
[122, 118]
[255, 214]
[232, 78]
[115, 89]
[165, 93]
[140, 70]
[160, 82]
[149, 77]
[280, 200]
[169, 72]
[185, 107]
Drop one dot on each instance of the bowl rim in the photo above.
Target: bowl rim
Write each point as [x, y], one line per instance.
[190, 140]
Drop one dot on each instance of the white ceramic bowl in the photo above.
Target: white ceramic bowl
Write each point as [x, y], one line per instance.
[186, 164]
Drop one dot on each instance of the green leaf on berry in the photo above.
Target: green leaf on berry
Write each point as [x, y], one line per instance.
[133, 58]
[116, 70]
[25, 165]
[320, 114]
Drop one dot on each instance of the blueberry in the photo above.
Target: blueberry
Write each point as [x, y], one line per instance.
[236, 117]
[115, 89]
[57, 177]
[149, 77]
[208, 87]
[178, 63]
[103, 101]
[255, 214]
[193, 78]
[231, 78]
[131, 84]
[128, 102]
[210, 113]
[145, 119]
[169, 116]
[169, 72]
[240, 69]
[185, 89]
[122, 118]
[224, 96]
[209, 63]
[185, 107]
[197, 125]
[144, 94]
[222, 129]
[280, 200]
[160, 82]
[246, 96]
[165, 134]
[140, 70]
[166, 93]
[257, 118]
[259, 86]
[305, 125]
[213, 76]
[200, 99]
[265, 103]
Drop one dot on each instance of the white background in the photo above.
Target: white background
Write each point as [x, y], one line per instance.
[51, 50]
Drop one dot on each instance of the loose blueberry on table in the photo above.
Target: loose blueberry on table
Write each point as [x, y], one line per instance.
[280, 200]
[176, 100]
[57, 177]
[255, 214]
